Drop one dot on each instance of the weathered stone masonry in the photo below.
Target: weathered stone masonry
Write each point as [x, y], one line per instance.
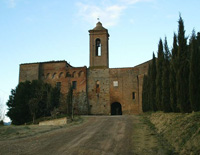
[98, 89]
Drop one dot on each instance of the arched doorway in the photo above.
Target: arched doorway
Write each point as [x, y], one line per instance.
[116, 108]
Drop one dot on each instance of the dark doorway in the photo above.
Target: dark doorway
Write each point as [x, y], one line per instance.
[116, 108]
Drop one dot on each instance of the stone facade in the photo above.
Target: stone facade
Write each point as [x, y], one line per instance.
[98, 90]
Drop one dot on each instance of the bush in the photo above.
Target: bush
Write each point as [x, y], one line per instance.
[32, 100]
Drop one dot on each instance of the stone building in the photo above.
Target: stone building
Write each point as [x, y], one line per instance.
[98, 89]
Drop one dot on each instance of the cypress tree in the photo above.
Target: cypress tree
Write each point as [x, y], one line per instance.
[194, 78]
[70, 101]
[173, 71]
[153, 84]
[149, 88]
[145, 103]
[183, 70]
[165, 79]
[159, 68]
[198, 45]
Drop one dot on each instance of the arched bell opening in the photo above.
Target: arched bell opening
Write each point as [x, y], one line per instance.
[98, 47]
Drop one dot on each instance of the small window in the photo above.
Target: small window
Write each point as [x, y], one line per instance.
[60, 75]
[58, 85]
[74, 83]
[74, 74]
[68, 74]
[115, 83]
[133, 95]
[54, 75]
[80, 73]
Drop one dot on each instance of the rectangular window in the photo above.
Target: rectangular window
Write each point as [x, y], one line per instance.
[115, 83]
[133, 95]
[58, 85]
[74, 83]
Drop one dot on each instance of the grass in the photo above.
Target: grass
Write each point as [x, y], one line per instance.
[162, 141]
[182, 131]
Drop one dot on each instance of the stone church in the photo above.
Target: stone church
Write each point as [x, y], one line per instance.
[97, 90]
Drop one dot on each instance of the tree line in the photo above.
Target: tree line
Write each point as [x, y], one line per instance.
[32, 100]
[173, 80]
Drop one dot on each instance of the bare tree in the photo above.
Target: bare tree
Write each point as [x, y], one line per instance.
[33, 105]
[2, 110]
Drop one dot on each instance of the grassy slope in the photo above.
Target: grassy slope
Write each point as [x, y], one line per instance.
[182, 131]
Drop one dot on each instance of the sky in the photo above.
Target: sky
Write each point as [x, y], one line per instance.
[45, 30]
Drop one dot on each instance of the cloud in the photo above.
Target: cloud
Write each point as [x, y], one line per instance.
[108, 11]
[109, 15]
[134, 1]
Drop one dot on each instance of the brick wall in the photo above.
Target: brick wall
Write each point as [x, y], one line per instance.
[143, 69]
[60, 72]
[123, 93]
[130, 80]
[103, 60]
[88, 97]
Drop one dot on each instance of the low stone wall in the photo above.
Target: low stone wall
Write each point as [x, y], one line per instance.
[60, 121]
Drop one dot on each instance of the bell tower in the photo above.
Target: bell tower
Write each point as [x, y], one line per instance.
[99, 55]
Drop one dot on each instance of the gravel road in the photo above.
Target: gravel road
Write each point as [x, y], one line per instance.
[99, 135]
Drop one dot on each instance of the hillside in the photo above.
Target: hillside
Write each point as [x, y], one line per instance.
[182, 131]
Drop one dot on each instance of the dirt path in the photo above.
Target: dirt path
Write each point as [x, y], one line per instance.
[99, 135]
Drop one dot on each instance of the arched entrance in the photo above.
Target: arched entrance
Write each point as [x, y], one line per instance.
[116, 108]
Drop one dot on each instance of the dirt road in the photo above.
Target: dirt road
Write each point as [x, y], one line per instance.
[99, 135]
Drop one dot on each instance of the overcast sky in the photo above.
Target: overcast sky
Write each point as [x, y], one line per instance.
[45, 30]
